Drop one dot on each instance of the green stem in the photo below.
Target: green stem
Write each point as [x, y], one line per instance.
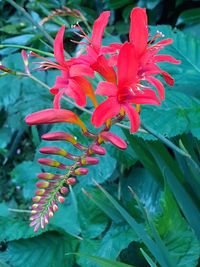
[26, 14]
[27, 48]
[165, 141]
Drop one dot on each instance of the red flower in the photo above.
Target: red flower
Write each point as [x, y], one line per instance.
[147, 54]
[125, 93]
[93, 57]
[72, 81]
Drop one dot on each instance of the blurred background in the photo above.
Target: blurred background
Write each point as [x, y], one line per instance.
[102, 229]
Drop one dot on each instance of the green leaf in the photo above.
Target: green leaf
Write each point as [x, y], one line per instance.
[115, 4]
[21, 39]
[103, 262]
[24, 176]
[190, 16]
[117, 238]
[145, 187]
[148, 259]
[177, 114]
[161, 256]
[177, 236]
[14, 228]
[92, 220]
[187, 49]
[48, 250]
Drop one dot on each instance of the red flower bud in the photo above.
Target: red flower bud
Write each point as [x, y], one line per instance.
[64, 190]
[42, 184]
[114, 139]
[89, 161]
[52, 163]
[48, 176]
[71, 181]
[53, 150]
[49, 116]
[81, 171]
[98, 150]
[56, 136]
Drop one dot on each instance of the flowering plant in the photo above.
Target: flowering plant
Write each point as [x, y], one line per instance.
[130, 79]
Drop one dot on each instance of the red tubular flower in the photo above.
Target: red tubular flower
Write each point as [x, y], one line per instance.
[72, 81]
[146, 52]
[49, 116]
[127, 92]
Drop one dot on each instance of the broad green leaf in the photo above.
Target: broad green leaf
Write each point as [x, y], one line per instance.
[187, 49]
[102, 262]
[145, 187]
[177, 114]
[66, 218]
[4, 209]
[46, 250]
[176, 234]
[117, 238]
[92, 220]
[24, 176]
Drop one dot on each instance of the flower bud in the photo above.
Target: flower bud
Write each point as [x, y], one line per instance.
[42, 184]
[89, 161]
[113, 139]
[80, 171]
[56, 136]
[40, 192]
[71, 181]
[53, 150]
[48, 176]
[64, 190]
[52, 163]
[98, 150]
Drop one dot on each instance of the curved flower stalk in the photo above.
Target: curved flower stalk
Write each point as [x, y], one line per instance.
[53, 187]
[123, 88]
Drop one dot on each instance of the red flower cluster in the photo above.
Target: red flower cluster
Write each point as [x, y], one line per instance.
[129, 70]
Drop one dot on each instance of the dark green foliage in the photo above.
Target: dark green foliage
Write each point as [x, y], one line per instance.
[138, 207]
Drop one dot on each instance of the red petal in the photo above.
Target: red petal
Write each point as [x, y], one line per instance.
[58, 46]
[106, 89]
[48, 116]
[98, 29]
[127, 65]
[106, 110]
[168, 78]
[138, 33]
[146, 96]
[114, 139]
[81, 70]
[76, 92]
[103, 68]
[112, 61]
[133, 117]
[167, 58]
[162, 43]
[158, 85]
[87, 88]
[112, 48]
[57, 99]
